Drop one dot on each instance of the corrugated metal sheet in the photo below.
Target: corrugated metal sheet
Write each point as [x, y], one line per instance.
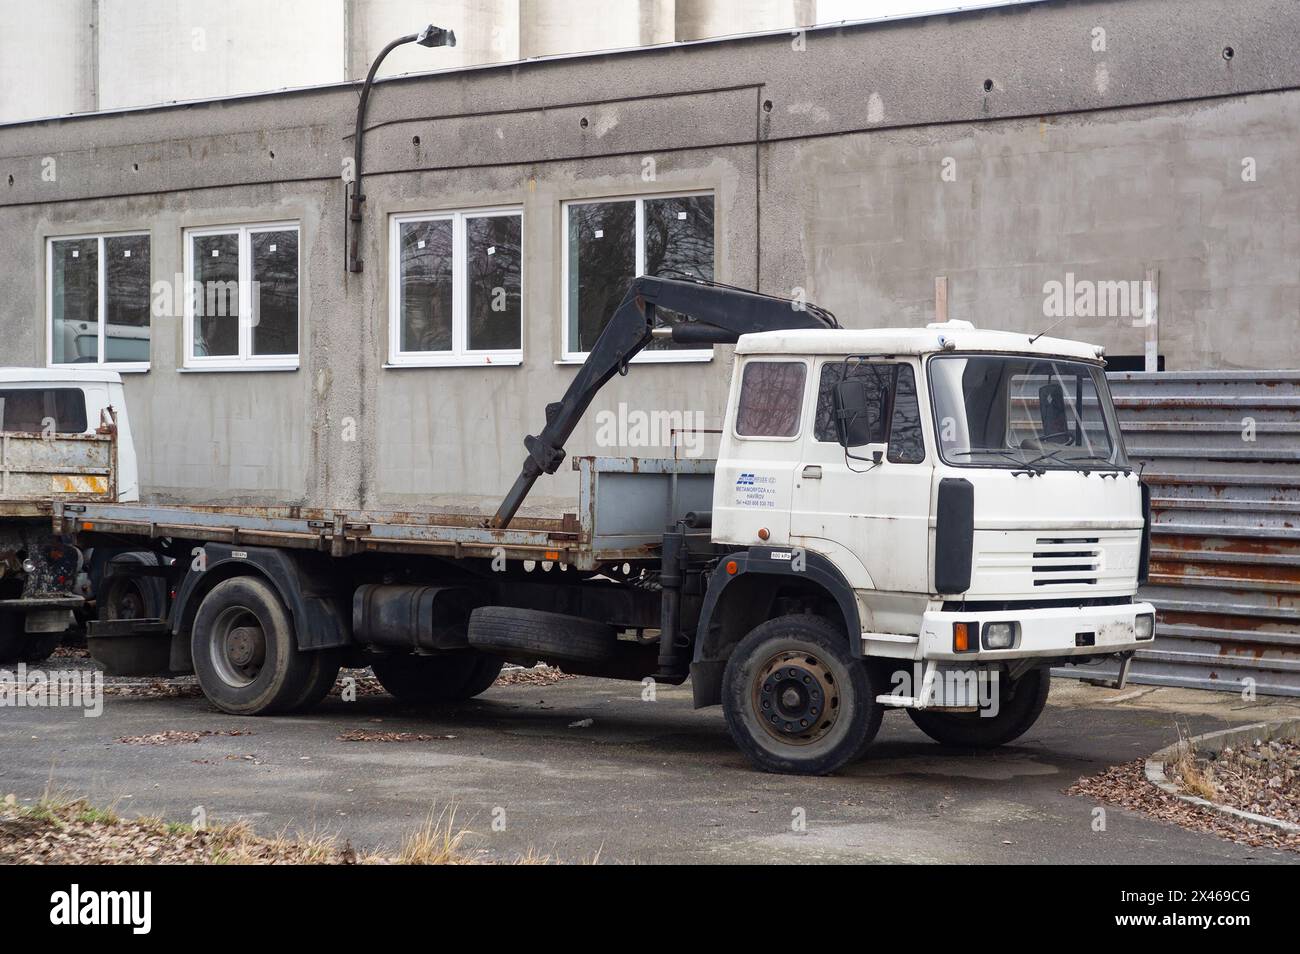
[1221, 454]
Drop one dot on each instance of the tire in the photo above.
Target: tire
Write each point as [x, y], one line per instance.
[1019, 707]
[132, 597]
[324, 673]
[17, 645]
[534, 634]
[258, 670]
[796, 700]
[430, 680]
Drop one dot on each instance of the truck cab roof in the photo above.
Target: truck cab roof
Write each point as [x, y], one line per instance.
[72, 374]
[934, 338]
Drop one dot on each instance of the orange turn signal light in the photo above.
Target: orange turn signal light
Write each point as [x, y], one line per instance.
[552, 554]
[732, 567]
[960, 637]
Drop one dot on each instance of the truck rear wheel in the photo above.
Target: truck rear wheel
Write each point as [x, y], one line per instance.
[325, 665]
[1020, 703]
[796, 700]
[245, 652]
[120, 596]
[429, 680]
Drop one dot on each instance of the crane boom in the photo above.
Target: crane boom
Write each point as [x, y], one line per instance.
[715, 314]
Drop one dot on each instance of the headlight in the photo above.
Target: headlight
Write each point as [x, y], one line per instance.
[999, 635]
[1145, 626]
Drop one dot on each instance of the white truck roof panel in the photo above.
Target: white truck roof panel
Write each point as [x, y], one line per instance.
[73, 374]
[928, 340]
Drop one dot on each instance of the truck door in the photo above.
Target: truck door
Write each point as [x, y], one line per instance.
[759, 456]
[875, 515]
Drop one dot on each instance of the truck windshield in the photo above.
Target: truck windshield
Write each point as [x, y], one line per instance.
[1018, 411]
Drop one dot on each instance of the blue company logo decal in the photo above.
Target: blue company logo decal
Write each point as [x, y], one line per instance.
[745, 480]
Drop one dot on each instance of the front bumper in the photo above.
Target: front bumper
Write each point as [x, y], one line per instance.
[1057, 632]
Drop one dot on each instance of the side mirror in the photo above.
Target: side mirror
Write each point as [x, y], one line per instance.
[859, 413]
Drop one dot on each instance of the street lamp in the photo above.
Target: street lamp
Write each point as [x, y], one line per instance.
[430, 36]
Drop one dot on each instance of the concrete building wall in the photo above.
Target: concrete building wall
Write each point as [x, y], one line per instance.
[857, 170]
[47, 59]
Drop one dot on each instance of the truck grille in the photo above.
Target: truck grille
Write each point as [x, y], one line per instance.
[1065, 561]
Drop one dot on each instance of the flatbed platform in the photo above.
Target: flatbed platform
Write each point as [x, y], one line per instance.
[624, 505]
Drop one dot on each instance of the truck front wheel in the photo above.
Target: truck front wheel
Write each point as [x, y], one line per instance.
[245, 652]
[1020, 703]
[795, 698]
[429, 680]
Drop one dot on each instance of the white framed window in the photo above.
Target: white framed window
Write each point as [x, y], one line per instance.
[608, 242]
[242, 303]
[456, 288]
[97, 299]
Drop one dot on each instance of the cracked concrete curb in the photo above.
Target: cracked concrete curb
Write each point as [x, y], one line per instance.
[1216, 742]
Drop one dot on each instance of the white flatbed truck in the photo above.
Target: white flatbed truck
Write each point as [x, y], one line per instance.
[924, 519]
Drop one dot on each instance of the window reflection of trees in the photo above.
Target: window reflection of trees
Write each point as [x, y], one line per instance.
[771, 398]
[906, 444]
[426, 279]
[216, 306]
[678, 244]
[275, 277]
[493, 249]
[600, 268]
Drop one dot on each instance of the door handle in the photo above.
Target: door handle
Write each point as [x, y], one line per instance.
[812, 472]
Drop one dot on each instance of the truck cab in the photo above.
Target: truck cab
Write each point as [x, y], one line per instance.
[64, 434]
[962, 496]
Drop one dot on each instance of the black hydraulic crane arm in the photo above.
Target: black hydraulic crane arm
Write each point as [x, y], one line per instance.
[714, 314]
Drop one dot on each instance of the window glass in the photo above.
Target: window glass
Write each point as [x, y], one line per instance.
[27, 409]
[906, 444]
[74, 300]
[216, 294]
[426, 285]
[492, 271]
[895, 384]
[678, 244]
[275, 292]
[602, 263]
[126, 298]
[771, 399]
[1009, 411]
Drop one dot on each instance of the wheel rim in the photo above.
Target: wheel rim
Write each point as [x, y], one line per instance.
[130, 605]
[237, 647]
[796, 698]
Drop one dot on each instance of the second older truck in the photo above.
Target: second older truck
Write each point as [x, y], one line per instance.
[924, 519]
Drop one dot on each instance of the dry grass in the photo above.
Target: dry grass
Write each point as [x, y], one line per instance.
[436, 842]
[61, 828]
[1188, 773]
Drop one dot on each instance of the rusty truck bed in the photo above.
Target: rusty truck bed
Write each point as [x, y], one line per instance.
[624, 504]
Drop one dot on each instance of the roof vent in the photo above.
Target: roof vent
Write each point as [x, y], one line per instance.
[952, 324]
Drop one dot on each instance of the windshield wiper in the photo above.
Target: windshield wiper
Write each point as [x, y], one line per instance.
[1070, 461]
[1027, 465]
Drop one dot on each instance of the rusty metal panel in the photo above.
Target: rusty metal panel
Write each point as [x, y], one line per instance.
[1221, 454]
[36, 469]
